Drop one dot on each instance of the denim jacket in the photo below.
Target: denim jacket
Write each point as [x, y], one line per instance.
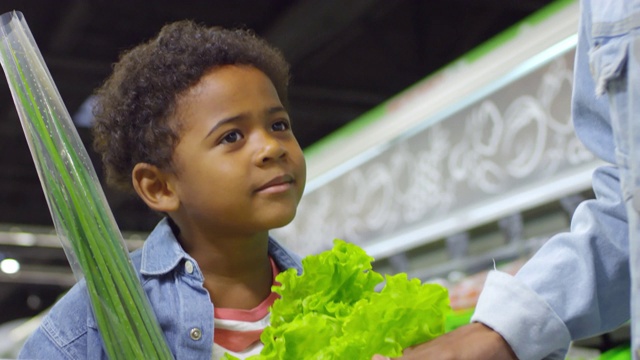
[174, 284]
[580, 283]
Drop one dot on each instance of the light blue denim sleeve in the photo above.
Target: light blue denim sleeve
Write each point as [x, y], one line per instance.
[522, 317]
[578, 284]
[41, 346]
[68, 331]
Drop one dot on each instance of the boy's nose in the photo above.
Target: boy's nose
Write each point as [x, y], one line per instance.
[269, 149]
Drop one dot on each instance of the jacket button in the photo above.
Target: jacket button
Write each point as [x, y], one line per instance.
[188, 266]
[195, 334]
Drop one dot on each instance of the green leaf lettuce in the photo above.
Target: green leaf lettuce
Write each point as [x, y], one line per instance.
[333, 311]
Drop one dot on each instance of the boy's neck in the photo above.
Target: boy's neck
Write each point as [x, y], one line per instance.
[237, 271]
[237, 280]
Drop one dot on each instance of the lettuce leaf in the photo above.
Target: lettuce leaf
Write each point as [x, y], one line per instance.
[333, 311]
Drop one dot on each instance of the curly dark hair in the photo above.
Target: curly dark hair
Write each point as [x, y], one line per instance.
[137, 101]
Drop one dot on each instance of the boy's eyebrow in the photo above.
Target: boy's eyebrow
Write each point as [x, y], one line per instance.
[239, 117]
[225, 121]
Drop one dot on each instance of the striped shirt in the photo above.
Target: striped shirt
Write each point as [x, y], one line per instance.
[238, 331]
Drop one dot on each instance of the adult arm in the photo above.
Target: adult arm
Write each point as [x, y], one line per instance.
[576, 286]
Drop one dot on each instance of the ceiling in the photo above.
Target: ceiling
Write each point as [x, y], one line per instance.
[346, 57]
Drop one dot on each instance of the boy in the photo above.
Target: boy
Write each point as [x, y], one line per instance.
[195, 122]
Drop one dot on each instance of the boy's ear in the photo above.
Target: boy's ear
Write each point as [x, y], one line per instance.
[153, 188]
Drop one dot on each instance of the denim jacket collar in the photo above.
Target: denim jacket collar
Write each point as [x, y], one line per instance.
[161, 252]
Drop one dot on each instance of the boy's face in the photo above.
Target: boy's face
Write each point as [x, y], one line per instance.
[239, 168]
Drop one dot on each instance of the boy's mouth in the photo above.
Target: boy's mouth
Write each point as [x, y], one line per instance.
[277, 184]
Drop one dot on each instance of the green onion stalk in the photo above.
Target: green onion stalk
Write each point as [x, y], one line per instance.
[83, 220]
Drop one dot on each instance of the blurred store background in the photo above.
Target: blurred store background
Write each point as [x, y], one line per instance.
[437, 134]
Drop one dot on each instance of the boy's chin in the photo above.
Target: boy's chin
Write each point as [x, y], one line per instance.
[282, 220]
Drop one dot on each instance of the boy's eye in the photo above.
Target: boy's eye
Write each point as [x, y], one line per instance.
[281, 125]
[231, 137]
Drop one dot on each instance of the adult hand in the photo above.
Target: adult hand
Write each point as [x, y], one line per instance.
[474, 341]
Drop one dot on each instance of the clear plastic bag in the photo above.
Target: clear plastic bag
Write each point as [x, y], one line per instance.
[85, 225]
